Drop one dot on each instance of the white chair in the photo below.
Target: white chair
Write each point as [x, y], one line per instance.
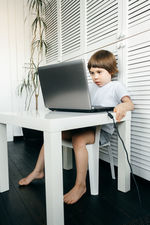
[111, 160]
[93, 160]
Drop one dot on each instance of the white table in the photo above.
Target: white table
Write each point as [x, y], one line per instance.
[52, 124]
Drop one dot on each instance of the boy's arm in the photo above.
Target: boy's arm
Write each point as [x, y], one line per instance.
[122, 108]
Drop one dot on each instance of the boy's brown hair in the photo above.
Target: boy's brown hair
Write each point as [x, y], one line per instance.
[103, 59]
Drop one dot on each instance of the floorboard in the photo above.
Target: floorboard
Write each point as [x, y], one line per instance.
[26, 205]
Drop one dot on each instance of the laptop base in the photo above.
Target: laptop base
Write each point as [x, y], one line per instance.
[96, 109]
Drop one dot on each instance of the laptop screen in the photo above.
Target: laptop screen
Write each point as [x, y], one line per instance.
[64, 86]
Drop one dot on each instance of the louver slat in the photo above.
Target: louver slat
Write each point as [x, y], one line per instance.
[138, 15]
[102, 22]
[70, 26]
[139, 87]
[52, 31]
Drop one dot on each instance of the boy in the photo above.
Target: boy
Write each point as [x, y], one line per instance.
[104, 92]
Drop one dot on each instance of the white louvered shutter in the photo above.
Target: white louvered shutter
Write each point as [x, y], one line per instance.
[89, 25]
[70, 28]
[138, 16]
[139, 87]
[51, 20]
[102, 22]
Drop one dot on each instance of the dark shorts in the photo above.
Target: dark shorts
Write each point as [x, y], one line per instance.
[104, 137]
[82, 130]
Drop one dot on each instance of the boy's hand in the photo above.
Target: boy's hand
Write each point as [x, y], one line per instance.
[123, 107]
[120, 111]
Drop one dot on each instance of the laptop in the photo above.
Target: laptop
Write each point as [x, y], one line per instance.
[65, 87]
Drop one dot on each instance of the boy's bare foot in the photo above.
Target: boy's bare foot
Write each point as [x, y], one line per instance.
[74, 194]
[32, 176]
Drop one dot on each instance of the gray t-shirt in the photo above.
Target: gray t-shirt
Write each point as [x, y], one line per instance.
[107, 95]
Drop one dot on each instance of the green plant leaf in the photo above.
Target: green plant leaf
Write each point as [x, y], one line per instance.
[30, 84]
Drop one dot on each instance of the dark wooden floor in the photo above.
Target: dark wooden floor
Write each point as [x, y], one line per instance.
[26, 205]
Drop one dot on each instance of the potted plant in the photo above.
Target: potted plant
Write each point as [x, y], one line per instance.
[30, 84]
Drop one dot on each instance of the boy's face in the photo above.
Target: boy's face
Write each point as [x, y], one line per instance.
[100, 76]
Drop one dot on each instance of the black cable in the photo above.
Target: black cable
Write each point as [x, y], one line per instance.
[139, 197]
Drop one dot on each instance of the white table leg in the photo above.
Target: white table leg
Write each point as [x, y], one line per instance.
[54, 179]
[123, 166]
[4, 181]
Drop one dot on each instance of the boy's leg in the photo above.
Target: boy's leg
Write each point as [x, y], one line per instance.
[38, 172]
[79, 141]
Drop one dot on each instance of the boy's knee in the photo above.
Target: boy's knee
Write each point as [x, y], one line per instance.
[78, 141]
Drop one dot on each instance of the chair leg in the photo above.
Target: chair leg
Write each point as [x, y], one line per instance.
[93, 161]
[67, 158]
[111, 163]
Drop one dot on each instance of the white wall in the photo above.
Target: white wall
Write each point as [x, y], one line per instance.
[5, 84]
[15, 39]
[14, 46]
